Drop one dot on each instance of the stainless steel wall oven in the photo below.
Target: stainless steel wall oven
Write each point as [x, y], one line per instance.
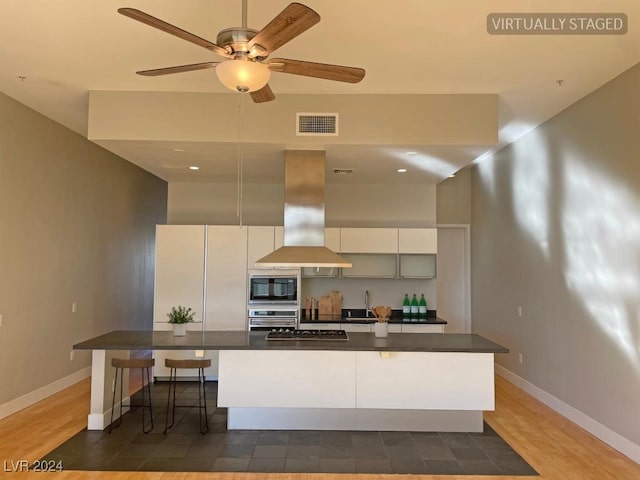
[273, 289]
[269, 319]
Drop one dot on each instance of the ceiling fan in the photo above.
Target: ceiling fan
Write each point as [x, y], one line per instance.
[247, 68]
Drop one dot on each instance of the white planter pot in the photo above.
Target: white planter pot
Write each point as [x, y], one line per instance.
[179, 329]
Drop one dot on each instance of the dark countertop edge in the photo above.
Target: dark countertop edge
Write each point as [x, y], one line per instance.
[397, 317]
[392, 321]
[419, 342]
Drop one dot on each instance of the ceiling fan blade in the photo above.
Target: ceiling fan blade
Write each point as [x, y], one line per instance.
[288, 24]
[173, 30]
[177, 69]
[319, 70]
[265, 94]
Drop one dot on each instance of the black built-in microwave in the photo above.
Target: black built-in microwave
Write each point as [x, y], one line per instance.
[273, 289]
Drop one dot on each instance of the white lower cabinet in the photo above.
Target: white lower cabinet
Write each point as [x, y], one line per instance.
[356, 327]
[313, 379]
[320, 326]
[347, 390]
[432, 328]
[425, 380]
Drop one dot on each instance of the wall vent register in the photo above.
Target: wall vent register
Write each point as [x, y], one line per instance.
[317, 124]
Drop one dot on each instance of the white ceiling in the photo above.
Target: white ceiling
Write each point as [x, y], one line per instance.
[54, 52]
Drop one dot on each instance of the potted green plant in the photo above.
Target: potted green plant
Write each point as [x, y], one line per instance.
[179, 316]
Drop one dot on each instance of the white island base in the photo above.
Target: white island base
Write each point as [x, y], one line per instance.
[355, 390]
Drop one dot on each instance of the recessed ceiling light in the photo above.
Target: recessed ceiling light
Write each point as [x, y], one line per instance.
[402, 170]
[411, 153]
[194, 167]
[178, 150]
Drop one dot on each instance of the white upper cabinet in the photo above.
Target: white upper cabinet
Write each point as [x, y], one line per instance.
[179, 271]
[279, 237]
[416, 265]
[332, 238]
[226, 278]
[261, 242]
[418, 240]
[369, 240]
[371, 265]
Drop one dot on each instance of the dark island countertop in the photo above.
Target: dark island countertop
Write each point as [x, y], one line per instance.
[241, 340]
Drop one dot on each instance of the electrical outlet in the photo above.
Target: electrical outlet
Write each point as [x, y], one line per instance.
[520, 358]
[519, 311]
[200, 353]
[74, 307]
[71, 356]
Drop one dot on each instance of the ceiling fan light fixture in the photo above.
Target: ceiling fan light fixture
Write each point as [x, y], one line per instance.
[243, 75]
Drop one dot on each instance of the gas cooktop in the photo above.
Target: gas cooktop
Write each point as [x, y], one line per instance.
[295, 334]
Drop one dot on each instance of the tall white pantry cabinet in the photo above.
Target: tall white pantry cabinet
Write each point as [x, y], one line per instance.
[205, 268]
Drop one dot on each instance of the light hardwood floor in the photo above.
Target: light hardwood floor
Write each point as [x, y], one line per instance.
[555, 447]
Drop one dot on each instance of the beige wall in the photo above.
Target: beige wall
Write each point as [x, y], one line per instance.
[556, 230]
[263, 204]
[453, 201]
[77, 224]
[391, 119]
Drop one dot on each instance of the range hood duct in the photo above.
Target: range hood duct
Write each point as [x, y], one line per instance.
[304, 179]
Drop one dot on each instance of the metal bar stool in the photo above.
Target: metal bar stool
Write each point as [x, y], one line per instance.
[202, 398]
[144, 364]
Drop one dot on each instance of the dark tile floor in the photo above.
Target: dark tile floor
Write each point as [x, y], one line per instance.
[183, 448]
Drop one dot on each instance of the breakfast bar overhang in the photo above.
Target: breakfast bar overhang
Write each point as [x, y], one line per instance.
[418, 382]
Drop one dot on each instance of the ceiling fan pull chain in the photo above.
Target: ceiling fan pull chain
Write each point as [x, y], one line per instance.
[240, 160]
[244, 13]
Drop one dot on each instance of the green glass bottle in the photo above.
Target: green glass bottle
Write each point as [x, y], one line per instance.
[422, 307]
[406, 307]
[414, 308]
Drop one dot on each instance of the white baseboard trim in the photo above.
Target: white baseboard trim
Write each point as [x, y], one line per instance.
[20, 403]
[608, 436]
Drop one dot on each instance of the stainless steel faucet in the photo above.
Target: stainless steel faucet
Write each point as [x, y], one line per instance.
[366, 303]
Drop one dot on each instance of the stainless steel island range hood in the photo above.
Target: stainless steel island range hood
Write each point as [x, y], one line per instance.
[304, 179]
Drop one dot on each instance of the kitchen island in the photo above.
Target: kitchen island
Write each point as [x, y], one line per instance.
[418, 382]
